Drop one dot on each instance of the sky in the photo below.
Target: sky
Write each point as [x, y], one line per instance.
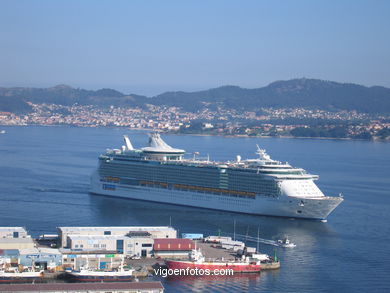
[149, 47]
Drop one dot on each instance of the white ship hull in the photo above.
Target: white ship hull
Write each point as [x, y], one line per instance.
[283, 206]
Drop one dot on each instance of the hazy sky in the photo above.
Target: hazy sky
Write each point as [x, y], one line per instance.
[148, 47]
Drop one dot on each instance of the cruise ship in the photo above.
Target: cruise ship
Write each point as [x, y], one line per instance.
[259, 186]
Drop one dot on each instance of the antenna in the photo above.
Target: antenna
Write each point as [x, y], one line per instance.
[258, 237]
[234, 230]
[170, 221]
[258, 149]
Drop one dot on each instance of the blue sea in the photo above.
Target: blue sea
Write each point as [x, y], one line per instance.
[44, 184]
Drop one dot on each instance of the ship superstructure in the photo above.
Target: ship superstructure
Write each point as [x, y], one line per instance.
[161, 173]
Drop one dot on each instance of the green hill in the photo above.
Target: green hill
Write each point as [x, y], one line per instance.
[307, 93]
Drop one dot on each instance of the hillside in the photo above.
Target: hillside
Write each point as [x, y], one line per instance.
[306, 93]
[64, 95]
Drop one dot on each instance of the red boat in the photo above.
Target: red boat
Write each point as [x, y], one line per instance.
[197, 261]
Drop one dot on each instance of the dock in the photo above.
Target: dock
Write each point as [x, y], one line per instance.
[109, 249]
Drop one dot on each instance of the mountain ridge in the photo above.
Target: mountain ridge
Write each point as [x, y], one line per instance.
[299, 92]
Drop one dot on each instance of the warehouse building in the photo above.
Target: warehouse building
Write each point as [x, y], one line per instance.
[9, 257]
[173, 248]
[13, 232]
[95, 243]
[44, 258]
[118, 287]
[155, 232]
[137, 244]
[15, 238]
[91, 260]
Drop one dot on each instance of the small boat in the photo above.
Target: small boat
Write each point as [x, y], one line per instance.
[198, 261]
[20, 277]
[285, 242]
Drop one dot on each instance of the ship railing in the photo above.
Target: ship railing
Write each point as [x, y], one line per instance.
[230, 260]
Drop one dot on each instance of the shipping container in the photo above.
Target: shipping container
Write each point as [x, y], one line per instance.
[192, 236]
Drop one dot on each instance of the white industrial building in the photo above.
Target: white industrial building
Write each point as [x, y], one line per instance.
[130, 245]
[13, 232]
[155, 232]
[138, 244]
[93, 243]
[15, 238]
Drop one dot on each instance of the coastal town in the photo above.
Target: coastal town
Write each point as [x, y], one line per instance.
[289, 122]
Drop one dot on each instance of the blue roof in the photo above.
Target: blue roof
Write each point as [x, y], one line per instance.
[9, 252]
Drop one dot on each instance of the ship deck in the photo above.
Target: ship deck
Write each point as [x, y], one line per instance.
[211, 251]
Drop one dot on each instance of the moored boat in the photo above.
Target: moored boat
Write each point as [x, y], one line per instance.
[198, 261]
[20, 277]
[89, 275]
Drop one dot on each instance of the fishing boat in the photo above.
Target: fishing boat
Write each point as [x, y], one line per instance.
[89, 275]
[198, 261]
[20, 277]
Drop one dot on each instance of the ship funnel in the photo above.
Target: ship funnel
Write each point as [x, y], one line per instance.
[156, 141]
[129, 146]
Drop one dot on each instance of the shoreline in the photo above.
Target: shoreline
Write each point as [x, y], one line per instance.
[282, 136]
[202, 134]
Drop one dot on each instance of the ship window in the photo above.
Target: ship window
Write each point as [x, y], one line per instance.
[107, 232]
[299, 211]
